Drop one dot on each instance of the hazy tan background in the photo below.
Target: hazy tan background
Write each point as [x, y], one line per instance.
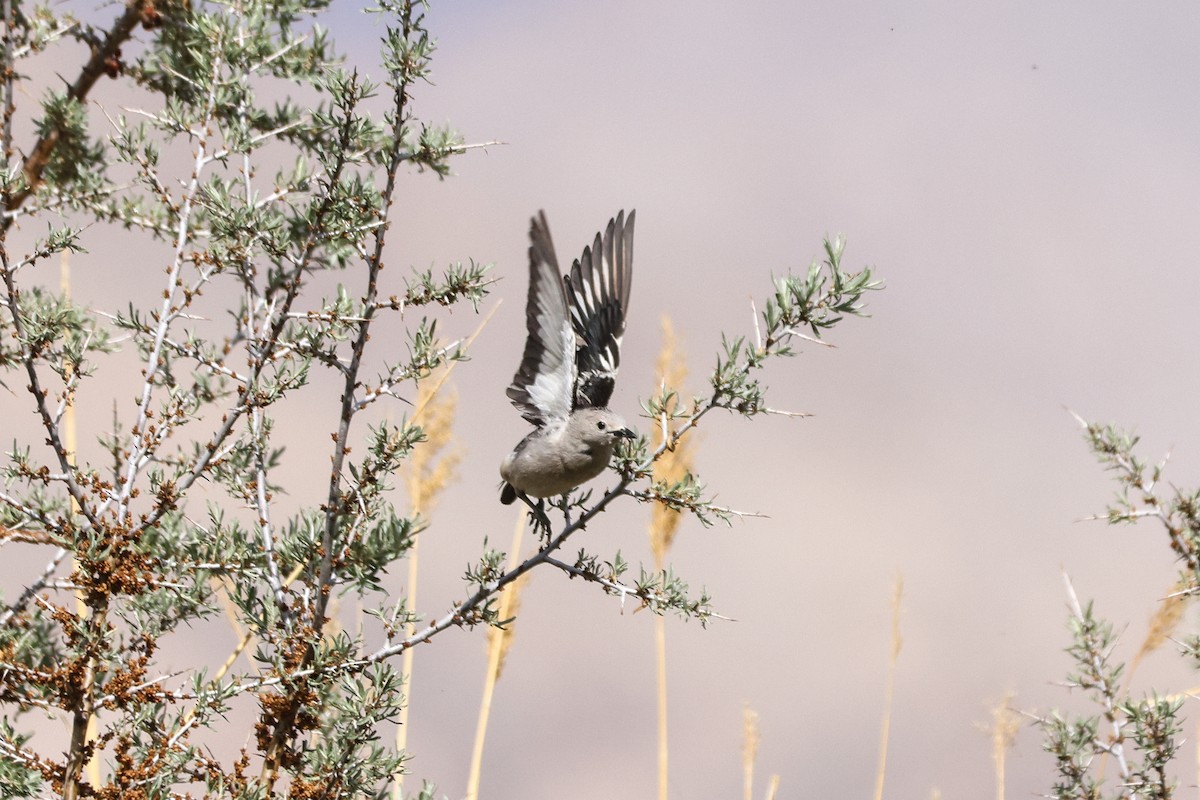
[1025, 177]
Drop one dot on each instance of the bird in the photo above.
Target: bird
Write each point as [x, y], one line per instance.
[572, 351]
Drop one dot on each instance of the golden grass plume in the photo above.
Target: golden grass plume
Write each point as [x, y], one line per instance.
[670, 372]
[1162, 626]
[431, 467]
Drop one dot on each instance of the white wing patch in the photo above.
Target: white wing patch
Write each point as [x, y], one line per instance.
[543, 386]
[553, 384]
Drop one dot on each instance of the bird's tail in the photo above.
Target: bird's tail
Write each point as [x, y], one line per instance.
[507, 493]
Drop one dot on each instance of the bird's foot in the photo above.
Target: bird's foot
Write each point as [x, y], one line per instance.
[537, 513]
[544, 520]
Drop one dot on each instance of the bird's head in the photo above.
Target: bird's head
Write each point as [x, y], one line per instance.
[598, 427]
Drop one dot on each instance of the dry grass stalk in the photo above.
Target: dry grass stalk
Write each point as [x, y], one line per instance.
[750, 739]
[773, 787]
[433, 386]
[660, 658]
[499, 641]
[1006, 721]
[70, 442]
[238, 649]
[244, 638]
[223, 588]
[889, 692]
[430, 470]
[671, 370]
[422, 493]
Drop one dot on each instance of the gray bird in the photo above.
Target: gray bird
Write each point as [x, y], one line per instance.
[572, 351]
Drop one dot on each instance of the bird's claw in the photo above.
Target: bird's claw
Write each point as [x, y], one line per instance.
[537, 513]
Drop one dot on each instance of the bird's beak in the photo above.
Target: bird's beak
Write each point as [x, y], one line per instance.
[625, 433]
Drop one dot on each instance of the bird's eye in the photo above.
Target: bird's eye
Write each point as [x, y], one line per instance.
[600, 425]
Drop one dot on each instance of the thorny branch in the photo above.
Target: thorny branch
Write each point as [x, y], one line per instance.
[104, 57]
[146, 561]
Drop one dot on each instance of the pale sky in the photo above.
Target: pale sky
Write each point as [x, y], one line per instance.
[1026, 179]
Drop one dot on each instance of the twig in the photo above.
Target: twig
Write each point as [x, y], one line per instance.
[1114, 746]
[102, 55]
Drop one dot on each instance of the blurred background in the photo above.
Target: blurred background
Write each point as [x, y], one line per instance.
[1026, 179]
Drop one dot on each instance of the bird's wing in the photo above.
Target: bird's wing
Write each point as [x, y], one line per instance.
[541, 388]
[598, 296]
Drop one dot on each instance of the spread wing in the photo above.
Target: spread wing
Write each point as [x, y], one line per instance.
[597, 290]
[542, 387]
